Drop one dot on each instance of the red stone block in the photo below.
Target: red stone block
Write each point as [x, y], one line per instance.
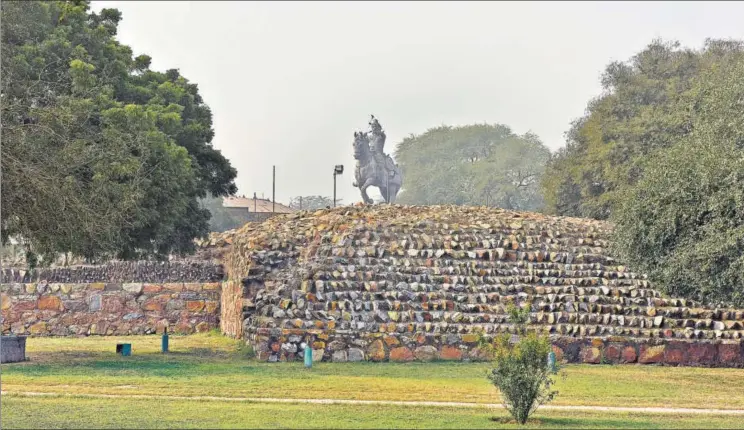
[151, 288]
[52, 303]
[730, 353]
[391, 340]
[113, 304]
[195, 305]
[153, 305]
[701, 353]
[450, 353]
[558, 353]
[676, 352]
[24, 305]
[629, 355]
[401, 354]
[613, 353]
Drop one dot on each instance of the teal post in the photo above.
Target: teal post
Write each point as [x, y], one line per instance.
[308, 356]
[164, 342]
[125, 349]
[551, 361]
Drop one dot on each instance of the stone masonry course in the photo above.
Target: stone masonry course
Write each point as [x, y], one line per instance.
[406, 283]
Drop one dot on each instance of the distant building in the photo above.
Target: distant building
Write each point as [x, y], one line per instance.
[254, 209]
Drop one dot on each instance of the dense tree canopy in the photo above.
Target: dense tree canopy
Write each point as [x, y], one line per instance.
[645, 107]
[683, 222]
[101, 155]
[474, 165]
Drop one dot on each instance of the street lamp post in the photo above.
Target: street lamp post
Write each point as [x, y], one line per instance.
[337, 170]
[387, 185]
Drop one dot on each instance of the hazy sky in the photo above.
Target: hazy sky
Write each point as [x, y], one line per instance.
[288, 83]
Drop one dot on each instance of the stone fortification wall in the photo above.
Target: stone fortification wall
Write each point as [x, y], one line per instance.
[115, 299]
[403, 283]
[141, 271]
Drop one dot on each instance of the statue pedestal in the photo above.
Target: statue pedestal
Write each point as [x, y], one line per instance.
[12, 349]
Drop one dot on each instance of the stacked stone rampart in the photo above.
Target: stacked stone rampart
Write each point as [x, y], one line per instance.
[404, 283]
[114, 299]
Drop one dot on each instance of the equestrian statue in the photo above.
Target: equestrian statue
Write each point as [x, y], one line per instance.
[374, 168]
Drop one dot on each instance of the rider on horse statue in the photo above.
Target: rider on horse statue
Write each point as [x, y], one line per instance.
[378, 144]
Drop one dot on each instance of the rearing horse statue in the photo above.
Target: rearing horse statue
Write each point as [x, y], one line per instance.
[373, 167]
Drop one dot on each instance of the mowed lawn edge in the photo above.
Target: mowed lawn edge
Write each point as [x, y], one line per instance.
[71, 412]
[212, 365]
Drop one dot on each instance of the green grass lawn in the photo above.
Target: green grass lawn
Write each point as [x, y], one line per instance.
[211, 365]
[21, 412]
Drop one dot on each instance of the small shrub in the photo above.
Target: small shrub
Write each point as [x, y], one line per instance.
[521, 371]
[246, 350]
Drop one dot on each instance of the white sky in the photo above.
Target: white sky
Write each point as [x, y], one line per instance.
[289, 82]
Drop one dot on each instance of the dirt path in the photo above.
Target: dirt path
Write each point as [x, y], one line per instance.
[382, 402]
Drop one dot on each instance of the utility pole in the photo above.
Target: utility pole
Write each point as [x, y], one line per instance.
[254, 201]
[273, 188]
[337, 170]
[387, 187]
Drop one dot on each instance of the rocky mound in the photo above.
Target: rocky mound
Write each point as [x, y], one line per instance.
[399, 282]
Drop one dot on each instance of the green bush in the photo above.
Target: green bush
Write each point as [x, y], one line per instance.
[521, 370]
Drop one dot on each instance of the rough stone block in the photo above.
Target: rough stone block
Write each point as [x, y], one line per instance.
[376, 351]
[470, 338]
[613, 353]
[195, 305]
[341, 356]
[450, 353]
[94, 303]
[401, 354]
[132, 288]
[153, 305]
[652, 354]
[675, 353]
[731, 353]
[52, 303]
[558, 353]
[151, 288]
[173, 286]
[210, 306]
[40, 327]
[391, 341]
[591, 355]
[356, 354]
[701, 354]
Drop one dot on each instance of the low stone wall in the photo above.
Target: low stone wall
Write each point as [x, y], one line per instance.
[126, 271]
[285, 345]
[99, 308]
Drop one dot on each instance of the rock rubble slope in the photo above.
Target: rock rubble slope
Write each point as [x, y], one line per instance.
[400, 282]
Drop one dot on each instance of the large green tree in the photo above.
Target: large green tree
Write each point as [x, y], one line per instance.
[644, 108]
[101, 156]
[478, 164]
[683, 222]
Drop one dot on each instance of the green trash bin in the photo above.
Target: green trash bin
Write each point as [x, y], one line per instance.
[125, 349]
